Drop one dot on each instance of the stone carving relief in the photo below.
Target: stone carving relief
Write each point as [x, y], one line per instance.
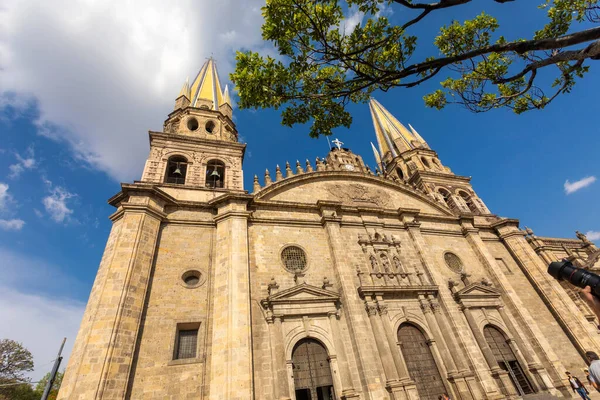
[358, 194]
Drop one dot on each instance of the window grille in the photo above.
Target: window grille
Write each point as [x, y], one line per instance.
[294, 259]
[453, 262]
[187, 341]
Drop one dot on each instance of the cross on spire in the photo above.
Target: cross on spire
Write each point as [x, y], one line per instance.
[337, 143]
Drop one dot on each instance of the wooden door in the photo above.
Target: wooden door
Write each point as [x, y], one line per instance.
[507, 360]
[312, 374]
[420, 362]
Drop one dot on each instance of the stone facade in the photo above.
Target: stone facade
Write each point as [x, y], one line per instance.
[382, 250]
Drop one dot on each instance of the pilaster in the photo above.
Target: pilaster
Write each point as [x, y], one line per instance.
[103, 352]
[231, 348]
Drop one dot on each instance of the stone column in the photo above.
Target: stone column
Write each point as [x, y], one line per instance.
[231, 348]
[280, 384]
[102, 355]
[392, 382]
[437, 335]
[489, 355]
[348, 391]
[392, 339]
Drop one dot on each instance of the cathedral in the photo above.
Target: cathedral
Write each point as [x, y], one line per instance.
[328, 281]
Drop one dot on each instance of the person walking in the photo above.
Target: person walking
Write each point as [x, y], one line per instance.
[577, 386]
[594, 369]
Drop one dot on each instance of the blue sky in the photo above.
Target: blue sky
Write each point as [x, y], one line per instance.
[82, 83]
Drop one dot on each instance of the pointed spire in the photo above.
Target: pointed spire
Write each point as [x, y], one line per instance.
[309, 167]
[226, 99]
[268, 180]
[377, 156]
[288, 170]
[256, 184]
[206, 86]
[391, 134]
[414, 131]
[278, 175]
[299, 169]
[185, 90]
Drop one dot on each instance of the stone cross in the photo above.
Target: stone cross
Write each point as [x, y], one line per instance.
[337, 143]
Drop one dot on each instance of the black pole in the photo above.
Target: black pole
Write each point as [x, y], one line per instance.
[53, 372]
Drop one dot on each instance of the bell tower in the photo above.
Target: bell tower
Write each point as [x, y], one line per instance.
[199, 146]
[403, 155]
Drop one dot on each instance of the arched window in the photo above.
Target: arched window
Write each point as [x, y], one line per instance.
[215, 174]
[447, 197]
[506, 359]
[425, 162]
[176, 170]
[420, 362]
[400, 173]
[468, 200]
[312, 373]
[437, 163]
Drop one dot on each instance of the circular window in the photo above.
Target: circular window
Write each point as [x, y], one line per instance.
[192, 279]
[294, 259]
[453, 262]
[192, 124]
[210, 127]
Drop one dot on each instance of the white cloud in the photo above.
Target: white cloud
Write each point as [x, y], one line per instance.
[5, 197]
[352, 20]
[56, 204]
[102, 78]
[23, 163]
[593, 235]
[40, 320]
[11, 224]
[572, 187]
[40, 323]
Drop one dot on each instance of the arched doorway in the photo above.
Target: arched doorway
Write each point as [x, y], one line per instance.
[506, 359]
[420, 362]
[312, 374]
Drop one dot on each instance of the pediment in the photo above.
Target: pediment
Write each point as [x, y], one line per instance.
[304, 293]
[478, 290]
[351, 189]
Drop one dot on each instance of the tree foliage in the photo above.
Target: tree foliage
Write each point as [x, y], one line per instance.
[15, 361]
[322, 65]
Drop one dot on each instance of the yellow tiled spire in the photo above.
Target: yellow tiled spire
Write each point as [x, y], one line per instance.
[226, 99]
[185, 90]
[206, 86]
[377, 156]
[396, 137]
[383, 140]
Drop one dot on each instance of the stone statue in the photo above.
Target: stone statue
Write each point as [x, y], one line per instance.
[582, 237]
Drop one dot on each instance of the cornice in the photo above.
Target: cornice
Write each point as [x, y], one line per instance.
[354, 176]
[196, 140]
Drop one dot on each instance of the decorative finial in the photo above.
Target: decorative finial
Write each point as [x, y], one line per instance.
[288, 170]
[337, 143]
[582, 237]
[309, 167]
[320, 166]
[299, 169]
[268, 180]
[326, 283]
[278, 174]
[256, 184]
